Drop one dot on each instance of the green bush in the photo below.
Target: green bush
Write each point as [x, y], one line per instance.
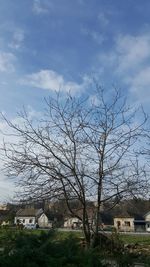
[24, 249]
[34, 249]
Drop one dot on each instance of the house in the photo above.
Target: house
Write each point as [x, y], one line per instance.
[3, 207]
[72, 222]
[147, 221]
[32, 216]
[124, 222]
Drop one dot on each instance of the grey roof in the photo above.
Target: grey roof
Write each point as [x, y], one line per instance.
[29, 212]
[124, 214]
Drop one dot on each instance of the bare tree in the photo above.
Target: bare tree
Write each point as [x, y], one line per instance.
[78, 150]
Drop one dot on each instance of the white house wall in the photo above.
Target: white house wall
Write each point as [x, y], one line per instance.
[147, 219]
[123, 224]
[25, 220]
[43, 221]
[71, 221]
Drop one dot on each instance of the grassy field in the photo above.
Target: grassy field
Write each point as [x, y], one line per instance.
[62, 235]
[140, 239]
[125, 238]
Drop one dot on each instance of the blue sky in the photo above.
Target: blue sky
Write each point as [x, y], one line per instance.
[47, 45]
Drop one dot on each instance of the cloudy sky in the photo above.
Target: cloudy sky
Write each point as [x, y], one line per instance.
[51, 45]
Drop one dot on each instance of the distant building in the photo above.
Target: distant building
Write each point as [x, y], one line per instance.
[124, 222]
[72, 222]
[147, 221]
[32, 216]
[3, 207]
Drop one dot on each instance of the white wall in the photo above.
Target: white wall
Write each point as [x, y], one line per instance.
[25, 220]
[123, 225]
[147, 217]
[43, 221]
[71, 221]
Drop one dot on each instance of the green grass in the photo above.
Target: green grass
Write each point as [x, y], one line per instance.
[62, 235]
[140, 239]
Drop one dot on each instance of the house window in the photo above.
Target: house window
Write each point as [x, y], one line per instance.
[30, 221]
[118, 224]
[127, 223]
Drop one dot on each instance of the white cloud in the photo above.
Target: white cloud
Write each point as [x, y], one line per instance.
[94, 35]
[7, 62]
[51, 80]
[140, 84]
[129, 53]
[130, 62]
[134, 64]
[97, 37]
[39, 7]
[132, 51]
[17, 40]
[143, 78]
[103, 19]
